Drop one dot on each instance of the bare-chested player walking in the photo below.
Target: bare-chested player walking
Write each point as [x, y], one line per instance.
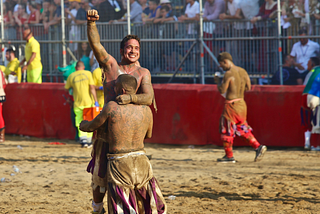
[111, 69]
[132, 188]
[233, 119]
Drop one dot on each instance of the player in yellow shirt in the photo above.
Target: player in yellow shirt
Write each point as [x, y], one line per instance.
[97, 79]
[32, 57]
[82, 85]
[13, 70]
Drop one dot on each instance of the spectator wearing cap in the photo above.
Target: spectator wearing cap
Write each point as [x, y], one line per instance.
[13, 70]
[167, 3]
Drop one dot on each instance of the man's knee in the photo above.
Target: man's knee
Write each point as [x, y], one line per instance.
[226, 138]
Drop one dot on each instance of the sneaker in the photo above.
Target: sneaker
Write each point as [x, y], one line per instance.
[225, 159]
[84, 145]
[260, 152]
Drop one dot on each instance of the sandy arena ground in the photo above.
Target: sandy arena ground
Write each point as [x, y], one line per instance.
[53, 179]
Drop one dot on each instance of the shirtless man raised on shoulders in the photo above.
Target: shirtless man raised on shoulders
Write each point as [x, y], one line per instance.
[130, 54]
[111, 69]
[129, 171]
[234, 117]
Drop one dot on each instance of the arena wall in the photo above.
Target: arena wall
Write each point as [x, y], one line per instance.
[187, 113]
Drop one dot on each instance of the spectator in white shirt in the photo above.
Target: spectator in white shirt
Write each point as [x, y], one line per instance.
[302, 51]
[191, 14]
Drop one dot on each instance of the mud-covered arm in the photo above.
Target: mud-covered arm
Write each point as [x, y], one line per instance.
[100, 53]
[99, 120]
[144, 98]
[149, 132]
[248, 83]
[224, 85]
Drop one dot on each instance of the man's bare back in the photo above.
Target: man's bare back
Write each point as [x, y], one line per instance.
[235, 81]
[128, 126]
[238, 82]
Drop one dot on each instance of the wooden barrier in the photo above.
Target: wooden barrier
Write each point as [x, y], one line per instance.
[187, 114]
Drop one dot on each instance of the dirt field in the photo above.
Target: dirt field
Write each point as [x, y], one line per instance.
[53, 179]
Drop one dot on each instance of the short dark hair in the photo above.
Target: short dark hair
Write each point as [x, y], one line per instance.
[127, 38]
[155, 1]
[315, 61]
[128, 80]
[11, 49]
[302, 31]
[165, 7]
[223, 56]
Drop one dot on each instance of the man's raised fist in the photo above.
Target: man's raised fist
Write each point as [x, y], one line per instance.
[92, 15]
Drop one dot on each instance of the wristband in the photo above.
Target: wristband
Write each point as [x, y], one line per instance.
[101, 88]
[96, 104]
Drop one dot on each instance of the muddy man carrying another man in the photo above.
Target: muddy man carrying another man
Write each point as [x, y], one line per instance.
[144, 186]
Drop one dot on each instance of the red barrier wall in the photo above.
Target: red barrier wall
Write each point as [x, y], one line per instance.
[37, 110]
[187, 114]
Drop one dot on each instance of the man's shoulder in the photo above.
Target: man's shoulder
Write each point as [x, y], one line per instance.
[240, 69]
[97, 71]
[296, 44]
[313, 43]
[144, 71]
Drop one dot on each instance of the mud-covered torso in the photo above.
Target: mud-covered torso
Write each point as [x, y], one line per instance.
[127, 127]
[237, 84]
[110, 77]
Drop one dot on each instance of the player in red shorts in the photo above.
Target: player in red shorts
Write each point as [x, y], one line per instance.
[233, 119]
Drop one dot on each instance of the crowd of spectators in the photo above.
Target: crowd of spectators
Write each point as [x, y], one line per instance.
[48, 12]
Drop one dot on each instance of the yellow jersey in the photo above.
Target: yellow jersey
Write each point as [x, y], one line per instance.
[33, 46]
[80, 82]
[14, 66]
[97, 79]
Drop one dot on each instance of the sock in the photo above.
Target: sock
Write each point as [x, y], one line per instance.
[97, 207]
[307, 136]
[228, 149]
